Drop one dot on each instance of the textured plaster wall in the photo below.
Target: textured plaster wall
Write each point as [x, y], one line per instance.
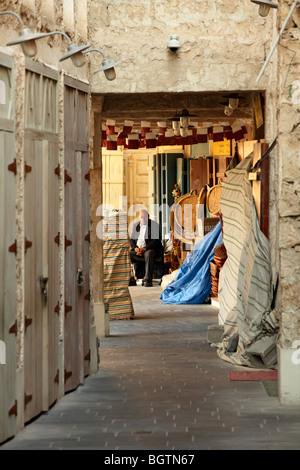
[223, 44]
[289, 174]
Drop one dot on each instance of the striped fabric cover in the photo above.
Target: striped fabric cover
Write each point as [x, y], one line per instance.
[245, 279]
[116, 279]
[117, 267]
[235, 205]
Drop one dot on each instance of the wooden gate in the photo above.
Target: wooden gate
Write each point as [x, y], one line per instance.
[8, 325]
[41, 207]
[77, 234]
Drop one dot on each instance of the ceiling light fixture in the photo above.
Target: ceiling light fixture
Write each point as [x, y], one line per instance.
[264, 6]
[26, 37]
[228, 110]
[108, 67]
[185, 118]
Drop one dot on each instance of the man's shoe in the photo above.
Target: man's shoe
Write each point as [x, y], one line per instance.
[148, 284]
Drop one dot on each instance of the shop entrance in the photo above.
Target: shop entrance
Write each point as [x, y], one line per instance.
[146, 163]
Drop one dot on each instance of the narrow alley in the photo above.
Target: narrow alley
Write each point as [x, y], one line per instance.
[161, 386]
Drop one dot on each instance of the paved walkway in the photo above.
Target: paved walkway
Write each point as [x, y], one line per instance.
[162, 387]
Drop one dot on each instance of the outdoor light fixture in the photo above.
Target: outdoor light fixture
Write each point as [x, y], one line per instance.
[295, 4]
[27, 40]
[74, 51]
[174, 43]
[233, 103]
[185, 118]
[108, 67]
[264, 6]
[26, 37]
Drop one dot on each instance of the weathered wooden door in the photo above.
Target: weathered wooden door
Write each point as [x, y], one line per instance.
[41, 207]
[77, 234]
[8, 330]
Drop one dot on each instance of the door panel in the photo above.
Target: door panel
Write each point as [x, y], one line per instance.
[7, 286]
[77, 217]
[41, 269]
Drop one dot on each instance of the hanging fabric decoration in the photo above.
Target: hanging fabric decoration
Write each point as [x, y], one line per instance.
[150, 140]
[162, 127]
[112, 143]
[218, 134]
[163, 136]
[133, 141]
[103, 136]
[145, 127]
[127, 128]
[110, 126]
[202, 136]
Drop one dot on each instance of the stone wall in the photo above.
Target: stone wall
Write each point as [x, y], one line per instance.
[223, 44]
[289, 174]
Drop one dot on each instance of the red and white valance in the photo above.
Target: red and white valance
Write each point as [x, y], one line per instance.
[145, 138]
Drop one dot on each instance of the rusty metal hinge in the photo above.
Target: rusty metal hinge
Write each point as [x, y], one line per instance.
[68, 374]
[13, 166]
[56, 378]
[57, 170]
[27, 168]
[88, 176]
[57, 238]
[88, 237]
[27, 399]
[68, 308]
[67, 242]
[87, 296]
[28, 322]
[68, 178]
[87, 357]
[14, 409]
[27, 244]
[56, 310]
[14, 328]
[13, 248]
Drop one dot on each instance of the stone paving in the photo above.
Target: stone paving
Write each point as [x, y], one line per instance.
[162, 387]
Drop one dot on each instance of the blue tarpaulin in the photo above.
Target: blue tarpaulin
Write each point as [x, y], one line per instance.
[193, 282]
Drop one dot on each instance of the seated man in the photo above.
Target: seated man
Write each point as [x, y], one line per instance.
[146, 245]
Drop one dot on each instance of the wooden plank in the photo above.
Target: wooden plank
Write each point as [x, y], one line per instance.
[76, 84]
[7, 286]
[198, 174]
[53, 291]
[32, 270]
[85, 288]
[7, 258]
[41, 69]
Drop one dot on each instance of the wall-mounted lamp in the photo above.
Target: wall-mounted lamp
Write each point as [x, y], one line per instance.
[26, 37]
[264, 6]
[27, 40]
[74, 51]
[174, 43]
[108, 67]
[295, 4]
